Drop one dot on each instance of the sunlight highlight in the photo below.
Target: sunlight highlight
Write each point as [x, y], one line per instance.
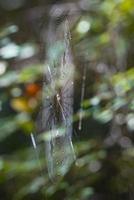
[83, 26]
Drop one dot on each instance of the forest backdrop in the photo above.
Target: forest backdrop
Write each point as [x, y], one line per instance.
[102, 40]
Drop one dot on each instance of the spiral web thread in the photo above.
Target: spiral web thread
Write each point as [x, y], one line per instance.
[58, 103]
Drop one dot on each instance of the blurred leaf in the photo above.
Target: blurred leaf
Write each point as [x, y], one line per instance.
[30, 73]
[8, 79]
[7, 127]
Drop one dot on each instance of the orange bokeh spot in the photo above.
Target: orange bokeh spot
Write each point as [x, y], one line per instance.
[32, 89]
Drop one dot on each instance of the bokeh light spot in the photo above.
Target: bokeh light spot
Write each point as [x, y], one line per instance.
[83, 26]
[3, 67]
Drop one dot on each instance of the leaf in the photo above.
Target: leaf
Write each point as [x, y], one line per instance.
[30, 73]
[8, 79]
[7, 127]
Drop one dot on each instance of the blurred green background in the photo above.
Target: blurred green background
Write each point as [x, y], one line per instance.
[102, 33]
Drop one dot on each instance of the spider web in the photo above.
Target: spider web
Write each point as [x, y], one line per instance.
[57, 111]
